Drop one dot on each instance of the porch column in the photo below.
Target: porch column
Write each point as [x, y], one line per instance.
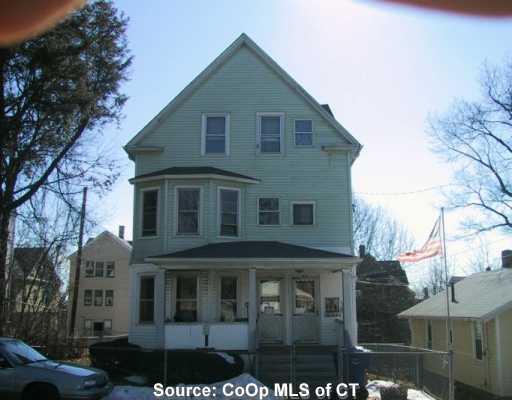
[160, 307]
[349, 306]
[253, 309]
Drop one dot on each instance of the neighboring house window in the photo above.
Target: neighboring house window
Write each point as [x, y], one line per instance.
[479, 348]
[229, 203]
[186, 299]
[268, 211]
[429, 335]
[87, 297]
[109, 298]
[270, 132]
[98, 298]
[89, 269]
[228, 298]
[111, 269]
[99, 269]
[303, 132]
[147, 299]
[188, 210]
[303, 213]
[215, 134]
[87, 326]
[149, 212]
[107, 326]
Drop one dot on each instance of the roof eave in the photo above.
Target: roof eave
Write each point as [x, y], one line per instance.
[334, 261]
[193, 176]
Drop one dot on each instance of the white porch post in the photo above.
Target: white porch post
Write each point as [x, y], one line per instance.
[349, 305]
[160, 306]
[253, 309]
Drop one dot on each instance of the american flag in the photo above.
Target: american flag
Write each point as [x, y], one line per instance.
[431, 248]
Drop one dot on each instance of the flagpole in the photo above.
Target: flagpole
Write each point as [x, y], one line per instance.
[449, 339]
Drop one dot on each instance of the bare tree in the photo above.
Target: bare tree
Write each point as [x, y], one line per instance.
[382, 235]
[57, 92]
[476, 138]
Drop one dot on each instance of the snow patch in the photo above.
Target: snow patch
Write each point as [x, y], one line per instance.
[374, 387]
[146, 393]
[227, 357]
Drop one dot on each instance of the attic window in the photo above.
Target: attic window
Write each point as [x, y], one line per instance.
[215, 134]
[270, 132]
[303, 132]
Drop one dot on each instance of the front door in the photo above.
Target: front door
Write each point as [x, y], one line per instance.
[270, 321]
[305, 318]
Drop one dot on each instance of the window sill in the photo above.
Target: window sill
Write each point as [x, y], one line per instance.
[228, 237]
[149, 237]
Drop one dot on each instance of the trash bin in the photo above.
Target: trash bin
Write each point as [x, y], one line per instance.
[358, 364]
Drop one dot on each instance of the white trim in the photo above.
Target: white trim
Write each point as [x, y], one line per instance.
[239, 304]
[174, 294]
[239, 216]
[499, 361]
[199, 212]
[141, 275]
[226, 116]
[473, 325]
[281, 116]
[194, 176]
[141, 212]
[295, 132]
[279, 210]
[242, 40]
[312, 202]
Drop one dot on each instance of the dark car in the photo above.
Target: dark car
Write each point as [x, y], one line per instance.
[25, 374]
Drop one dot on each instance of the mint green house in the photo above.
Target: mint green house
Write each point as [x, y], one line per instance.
[242, 214]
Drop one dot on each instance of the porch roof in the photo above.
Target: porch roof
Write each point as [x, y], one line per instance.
[251, 251]
[194, 172]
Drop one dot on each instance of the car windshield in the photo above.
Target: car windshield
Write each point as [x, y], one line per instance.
[21, 352]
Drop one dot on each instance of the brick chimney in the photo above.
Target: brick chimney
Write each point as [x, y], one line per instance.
[506, 258]
[121, 231]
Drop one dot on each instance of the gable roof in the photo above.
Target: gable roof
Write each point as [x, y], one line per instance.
[252, 249]
[109, 236]
[208, 172]
[27, 258]
[243, 40]
[478, 296]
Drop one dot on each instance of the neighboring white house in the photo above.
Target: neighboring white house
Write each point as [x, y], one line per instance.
[481, 311]
[103, 298]
[242, 213]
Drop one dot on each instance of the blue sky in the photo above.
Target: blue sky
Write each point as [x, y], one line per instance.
[382, 69]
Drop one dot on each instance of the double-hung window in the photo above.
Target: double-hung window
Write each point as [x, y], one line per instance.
[149, 212]
[429, 335]
[303, 132]
[98, 298]
[99, 269]
[186, 299]
[303, 213]
[89, 269]
[109, 298]
[229, 212]
[228, 298]
[147, 299]
[87, 297]
[188, 210]
[268, 211]
[270, 132]
[215, 134]
[477, 333]
[111, 269]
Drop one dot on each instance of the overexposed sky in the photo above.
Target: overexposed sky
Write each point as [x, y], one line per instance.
[382, 69]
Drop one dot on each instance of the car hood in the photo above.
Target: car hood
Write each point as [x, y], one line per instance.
[71, 369]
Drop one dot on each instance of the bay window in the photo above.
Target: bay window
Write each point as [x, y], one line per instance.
[229, 212]
[188, 210]
[149, 212]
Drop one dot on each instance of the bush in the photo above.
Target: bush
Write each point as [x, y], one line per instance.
[121, 359]
[393, 393]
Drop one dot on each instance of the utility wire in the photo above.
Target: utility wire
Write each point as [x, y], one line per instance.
[423, 190]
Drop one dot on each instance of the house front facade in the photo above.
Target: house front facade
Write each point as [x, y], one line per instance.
[242, 214]
[481, 311]
[103, 290]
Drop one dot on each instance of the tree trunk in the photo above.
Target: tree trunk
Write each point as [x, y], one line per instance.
[4, 243]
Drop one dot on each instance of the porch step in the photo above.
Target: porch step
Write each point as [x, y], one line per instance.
[314, 368]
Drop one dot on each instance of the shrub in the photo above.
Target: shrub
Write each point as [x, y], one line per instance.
[394, 392]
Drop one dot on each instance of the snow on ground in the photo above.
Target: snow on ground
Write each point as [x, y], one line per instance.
[374, 387]
[146, 393]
